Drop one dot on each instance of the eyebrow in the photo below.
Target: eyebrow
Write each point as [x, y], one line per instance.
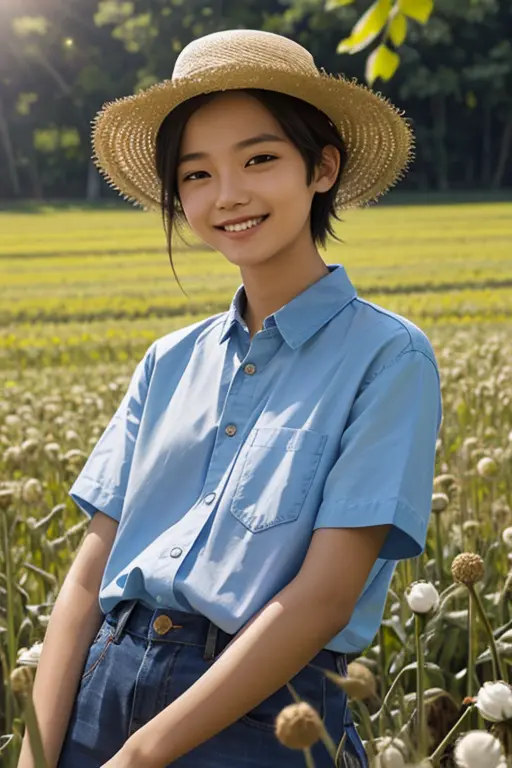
[259, 139]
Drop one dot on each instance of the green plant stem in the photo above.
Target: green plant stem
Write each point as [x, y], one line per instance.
[308, 757]
[36, 744]
[438, 752]
[367, 725]
[420, 688]
[11, 635]
[439, 549]
[498, 672]
[383, 676]
[470, 682]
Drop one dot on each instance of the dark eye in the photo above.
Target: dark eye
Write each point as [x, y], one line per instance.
[186, 178]
[258, 156]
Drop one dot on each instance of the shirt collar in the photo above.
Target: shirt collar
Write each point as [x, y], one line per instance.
[306, 313]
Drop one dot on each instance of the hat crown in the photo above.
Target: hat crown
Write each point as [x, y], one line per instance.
[242, 47]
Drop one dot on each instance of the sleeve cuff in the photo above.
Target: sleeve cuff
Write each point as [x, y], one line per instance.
[90, 497]
[406, 538]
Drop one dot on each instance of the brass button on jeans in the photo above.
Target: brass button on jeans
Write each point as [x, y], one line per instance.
[162, 624]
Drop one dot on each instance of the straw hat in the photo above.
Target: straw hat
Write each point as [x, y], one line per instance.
[378, 139]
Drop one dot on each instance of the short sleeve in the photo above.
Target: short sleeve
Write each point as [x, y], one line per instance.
[101, 485]
[385, 469]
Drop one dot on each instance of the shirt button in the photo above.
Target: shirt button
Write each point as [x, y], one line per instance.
[159, 598]
[230, 430]
[209, 498]
[250, 368]
[176, 552]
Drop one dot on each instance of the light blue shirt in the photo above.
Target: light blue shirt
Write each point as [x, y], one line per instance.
[226, 453]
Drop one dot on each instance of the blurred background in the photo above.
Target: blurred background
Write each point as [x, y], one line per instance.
[60, 60]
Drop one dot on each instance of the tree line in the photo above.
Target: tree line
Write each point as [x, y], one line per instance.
[60, 60]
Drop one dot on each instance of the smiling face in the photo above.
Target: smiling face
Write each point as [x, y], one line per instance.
[234, 178]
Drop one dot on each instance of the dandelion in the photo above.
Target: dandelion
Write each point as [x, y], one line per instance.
[391, 753]
[6, 497]
[440, 502]
[298, 726]
[487, 467]
[360, 673]
[468, 568]
[29, 657]
[13, 455]
[494, 701]
[479, 749]
[12, 420]
[74, 457]
[507, 537]
[52, 450]
[21, 680]
[32, 491]
[29, 447]
[422, 597]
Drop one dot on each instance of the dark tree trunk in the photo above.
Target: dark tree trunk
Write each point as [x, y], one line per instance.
[486, 143]
[505, 144]
[438, 109]
[5, 141]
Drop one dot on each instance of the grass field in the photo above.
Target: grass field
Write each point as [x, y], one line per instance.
[97, 285]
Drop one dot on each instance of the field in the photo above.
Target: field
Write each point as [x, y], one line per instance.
[85, 292]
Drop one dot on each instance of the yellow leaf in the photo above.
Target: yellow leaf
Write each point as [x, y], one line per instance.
[383, 63]
[367, 28]
[471, 100]
[419, 10]
[330, 5]
[398, 29]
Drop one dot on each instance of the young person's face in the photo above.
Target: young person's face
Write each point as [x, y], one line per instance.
[231, 182]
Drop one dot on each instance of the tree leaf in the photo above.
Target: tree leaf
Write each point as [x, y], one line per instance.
[367, 28]
[330, 5]
[398, 29]
[420, 10]
[383, 63]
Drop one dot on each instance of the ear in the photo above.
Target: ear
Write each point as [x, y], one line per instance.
[326, 172]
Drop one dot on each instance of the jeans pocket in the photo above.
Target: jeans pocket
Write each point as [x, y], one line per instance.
[97, 650]
[309, 684]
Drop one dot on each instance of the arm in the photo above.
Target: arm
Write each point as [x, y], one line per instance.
[273, 647]
[76, 616]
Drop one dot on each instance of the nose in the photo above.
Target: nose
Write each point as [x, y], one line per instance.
[231, 192]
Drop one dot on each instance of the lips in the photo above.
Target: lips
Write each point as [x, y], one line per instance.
[241, 222]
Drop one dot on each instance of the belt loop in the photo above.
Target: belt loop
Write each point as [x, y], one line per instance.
[211, 641]
[124, 615]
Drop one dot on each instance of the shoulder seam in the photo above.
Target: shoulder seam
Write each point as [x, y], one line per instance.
[405, 351]
[383, 311]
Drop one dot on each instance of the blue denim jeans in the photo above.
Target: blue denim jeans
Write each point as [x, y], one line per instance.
[142, 660]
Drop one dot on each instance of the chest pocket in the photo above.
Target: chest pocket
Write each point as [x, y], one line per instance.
[278, 469]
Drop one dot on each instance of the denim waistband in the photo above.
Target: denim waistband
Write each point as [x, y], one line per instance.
[167, 625]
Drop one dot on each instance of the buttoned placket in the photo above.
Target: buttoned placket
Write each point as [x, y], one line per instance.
[237, 413]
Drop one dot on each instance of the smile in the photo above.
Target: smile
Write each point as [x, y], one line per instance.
[244, 226]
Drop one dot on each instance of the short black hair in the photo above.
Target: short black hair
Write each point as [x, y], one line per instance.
[307, 127]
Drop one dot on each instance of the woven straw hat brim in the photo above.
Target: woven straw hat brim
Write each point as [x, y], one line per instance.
[379, 141]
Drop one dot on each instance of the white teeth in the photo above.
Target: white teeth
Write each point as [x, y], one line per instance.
[243, 225]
